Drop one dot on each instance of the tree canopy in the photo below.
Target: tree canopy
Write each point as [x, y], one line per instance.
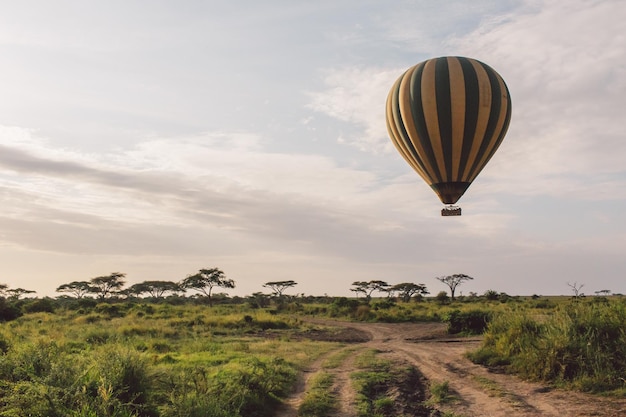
[368, 287]
[408, 289]
[155, 289]
[453, 281]
[106, 285]
[205, 280]
[278, 287]
[78, 288]
[16, 293]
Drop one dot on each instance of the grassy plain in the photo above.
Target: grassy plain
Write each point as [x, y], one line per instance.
[129, 359]
[160, 359]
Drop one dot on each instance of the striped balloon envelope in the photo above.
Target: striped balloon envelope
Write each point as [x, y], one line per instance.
[447, 116]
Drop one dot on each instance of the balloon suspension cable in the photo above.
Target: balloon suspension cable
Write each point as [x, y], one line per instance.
[451, 210]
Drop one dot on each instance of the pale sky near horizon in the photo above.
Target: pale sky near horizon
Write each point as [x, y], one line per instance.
[156, 138]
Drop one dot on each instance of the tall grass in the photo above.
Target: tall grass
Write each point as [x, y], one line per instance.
[581, 344]
[148, 361]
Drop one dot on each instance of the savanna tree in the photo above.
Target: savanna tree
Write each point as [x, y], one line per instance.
[407, 290]
[576, 287]
[104, 286]
[77, 288]
[453, 281]
[205, 280]
[16, 293]
[155, 289]
[279, 287]
[368, 287]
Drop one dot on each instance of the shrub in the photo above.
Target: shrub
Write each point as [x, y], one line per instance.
[363, 312]
[385, 304]
[583, 344]
[442, 297]
[491, 295]
[124, 382]
[109, 310]
[4, 344]
[467, 322]
[40, 305]
[8, 311]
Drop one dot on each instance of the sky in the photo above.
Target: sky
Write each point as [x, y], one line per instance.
[157, 138]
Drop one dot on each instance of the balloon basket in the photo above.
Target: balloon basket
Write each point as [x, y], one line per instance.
[451, 211]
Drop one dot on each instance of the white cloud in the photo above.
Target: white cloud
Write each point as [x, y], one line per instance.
[567, 87]
[564, 66]
[116, 174]
[358, 96]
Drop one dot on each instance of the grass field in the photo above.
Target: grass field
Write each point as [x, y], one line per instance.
[139, 358]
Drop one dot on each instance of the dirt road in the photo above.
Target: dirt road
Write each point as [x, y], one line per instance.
[441, 358]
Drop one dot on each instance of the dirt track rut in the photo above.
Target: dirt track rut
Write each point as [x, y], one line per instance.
[478, 392]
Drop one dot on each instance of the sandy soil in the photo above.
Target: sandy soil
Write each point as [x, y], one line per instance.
[441, 358]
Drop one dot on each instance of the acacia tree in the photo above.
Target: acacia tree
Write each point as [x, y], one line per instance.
[278, 287]
[78, 288]
[453, 281]
[16, 293]
[368, 287]
[156, 289]
[205, 280]
[107, 285]
[408, 289]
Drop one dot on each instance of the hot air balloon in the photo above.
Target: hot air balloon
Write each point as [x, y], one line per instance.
[447, 116]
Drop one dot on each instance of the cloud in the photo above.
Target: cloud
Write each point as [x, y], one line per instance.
[567, 89]
[220, 193]
[189, 145]
[357, 96]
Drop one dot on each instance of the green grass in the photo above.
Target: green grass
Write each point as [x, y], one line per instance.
[385, 388]
[136, 359]
[319, 400]
[580, 344]
[440, 393]
[338, 358]
[149, 361]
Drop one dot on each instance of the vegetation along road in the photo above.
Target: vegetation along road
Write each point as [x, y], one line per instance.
[461, 387]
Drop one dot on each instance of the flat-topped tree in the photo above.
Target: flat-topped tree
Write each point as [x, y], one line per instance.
[205, 280]
[278, 287]
[106, 285]
[368, 287]
[16, 293]
[408, 289]
[156, 289]
[78, 288]
[453, 281]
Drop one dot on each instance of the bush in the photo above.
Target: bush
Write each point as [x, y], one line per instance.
[40, 305]
[385, 304]
[8, 311]
[126, 377]
[583, 344]
[467, 322]
[4, 345]
[491, 295]
[363, 313]
[442, 297]
[110, 310]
